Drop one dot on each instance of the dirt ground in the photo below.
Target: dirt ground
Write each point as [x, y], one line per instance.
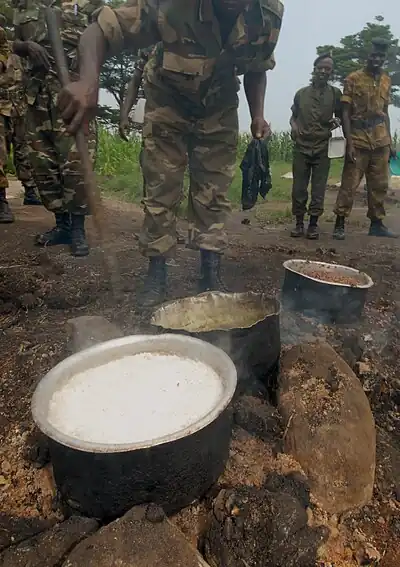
[40, 291]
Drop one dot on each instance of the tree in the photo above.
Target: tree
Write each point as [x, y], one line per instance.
[115, 75]
[352, 53]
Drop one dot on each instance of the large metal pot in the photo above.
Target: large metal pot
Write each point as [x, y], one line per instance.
[245, 325]
[340, 302]
[104, 481]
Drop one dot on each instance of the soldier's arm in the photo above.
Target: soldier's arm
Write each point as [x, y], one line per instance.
[132, 26]
[347, 100]
[255, 86]
[338, 105]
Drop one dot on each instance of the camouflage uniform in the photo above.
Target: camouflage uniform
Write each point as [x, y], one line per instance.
[13, 106]
[368, 98]
[53, 153]
[313, 110]
[191, 107]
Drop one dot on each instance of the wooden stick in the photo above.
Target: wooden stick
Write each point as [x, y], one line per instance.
[90, 186]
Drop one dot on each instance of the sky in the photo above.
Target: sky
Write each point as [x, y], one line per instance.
[307, 24]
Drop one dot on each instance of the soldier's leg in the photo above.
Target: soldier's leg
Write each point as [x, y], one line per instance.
[377, 176]
[352, 174]
[319, 178]
[74, 195]
[46, 171]
[301, 169]
[6, 215]
[22, 163]
[164, 160]
[212, 165]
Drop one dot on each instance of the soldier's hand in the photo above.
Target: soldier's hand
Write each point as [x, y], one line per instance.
[38, 55]
[123, 127]
[351, 152]
[77, 101]
[260, 128]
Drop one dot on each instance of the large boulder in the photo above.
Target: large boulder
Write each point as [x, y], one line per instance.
[144, 537]
[330, 429]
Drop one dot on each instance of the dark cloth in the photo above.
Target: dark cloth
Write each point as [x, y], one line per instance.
[256, 173]
[313, 109]
[305, 167]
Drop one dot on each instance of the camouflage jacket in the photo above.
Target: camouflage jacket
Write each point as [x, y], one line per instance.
[193, 58]
[12, 89]
[30, 24]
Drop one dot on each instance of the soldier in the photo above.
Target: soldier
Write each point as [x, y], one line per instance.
[316, 111]
[366, 127]
[191, 111]
[6, 215]
[53, 154]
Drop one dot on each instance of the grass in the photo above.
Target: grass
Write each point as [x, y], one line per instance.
[118, 167]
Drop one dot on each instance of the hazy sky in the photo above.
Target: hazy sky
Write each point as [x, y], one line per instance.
[307, 24]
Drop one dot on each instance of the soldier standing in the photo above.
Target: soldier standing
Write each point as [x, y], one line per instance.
[12, 129]
[53, 153]
[191, 111]
[316, 111]
[366, 126]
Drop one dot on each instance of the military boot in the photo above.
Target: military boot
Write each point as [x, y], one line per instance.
[313, 230]
[210, 276]
[78, 245]
[155, 284]
[338, 231]
[30, 197]
[377, 228]
[298, 231]
[60, 234]
[6, 215]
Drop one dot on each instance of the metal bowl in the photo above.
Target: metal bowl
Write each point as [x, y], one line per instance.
[317, 297]
[245, 325]
[105, 480]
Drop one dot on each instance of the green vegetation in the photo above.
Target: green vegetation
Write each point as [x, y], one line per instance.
[120, 175]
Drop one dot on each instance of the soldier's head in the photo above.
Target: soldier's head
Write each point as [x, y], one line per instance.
[378, 54]
[323, 69]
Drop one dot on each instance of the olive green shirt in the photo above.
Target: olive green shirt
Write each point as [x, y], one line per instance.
[313, 109]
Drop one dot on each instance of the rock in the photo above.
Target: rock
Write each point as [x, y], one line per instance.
[136, 541]
[87, 331]
[330, 429]
[258, 417]
[49, 548]
[261, 528]
[15, 530]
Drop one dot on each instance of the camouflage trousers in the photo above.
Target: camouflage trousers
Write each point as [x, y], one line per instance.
[54, 157]
[306, 167]
[374, 165]
[172, 141]
[3, 151]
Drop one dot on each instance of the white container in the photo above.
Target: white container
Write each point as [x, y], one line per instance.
[138, 113]
[337, 147]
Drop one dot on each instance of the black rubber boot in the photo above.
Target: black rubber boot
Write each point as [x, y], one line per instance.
[210, 276]
[79, 246]
[298, 231]
[6, 215]
[338, 231]
[155, 284]
[31, 198]
[377, 228]
[313, 230]
[60, 234]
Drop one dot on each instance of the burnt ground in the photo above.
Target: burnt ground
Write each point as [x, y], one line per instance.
[40, 291]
